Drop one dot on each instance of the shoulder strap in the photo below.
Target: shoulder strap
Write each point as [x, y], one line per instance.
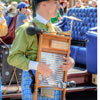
[33, 80]
[31, 73]
[33, 23]
[35, 26]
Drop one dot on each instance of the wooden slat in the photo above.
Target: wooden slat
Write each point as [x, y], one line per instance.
[54, 51]
[46, 44]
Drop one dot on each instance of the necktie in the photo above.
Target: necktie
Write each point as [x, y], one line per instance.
[51, 28]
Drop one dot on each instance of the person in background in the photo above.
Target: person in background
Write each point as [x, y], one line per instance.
[63, 7]
[29, 15]
[90, 4]
[94, 3]
[21, 18]
[56, 19]
[78, 4]
[85, 3]
[12, 12]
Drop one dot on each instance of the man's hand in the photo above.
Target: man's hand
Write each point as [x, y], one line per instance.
[44, 70]
[68, 64]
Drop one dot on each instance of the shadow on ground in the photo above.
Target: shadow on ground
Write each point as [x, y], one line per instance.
[86, 95]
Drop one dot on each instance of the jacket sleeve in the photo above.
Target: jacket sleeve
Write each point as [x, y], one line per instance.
[19, 47]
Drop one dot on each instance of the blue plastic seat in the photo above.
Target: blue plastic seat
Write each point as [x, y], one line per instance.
[92, 20]
[79, 10]
[93, 29]
[72, 35]
[78, 28]
[89, 21]
[86, 11]
[75, 35]
[78, 54]
[94, 10]
[75, 28]
[79, 35]
[91, 53]
[69, 10]
[76, 9]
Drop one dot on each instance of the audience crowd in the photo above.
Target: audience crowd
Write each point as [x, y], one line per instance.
[24, 12]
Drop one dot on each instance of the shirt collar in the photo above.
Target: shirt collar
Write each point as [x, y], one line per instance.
[41, 19]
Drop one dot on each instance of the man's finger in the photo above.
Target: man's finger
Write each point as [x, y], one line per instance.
[65, 68]
[66, 63]
[43, 77]
[49, 73]
[65, 58]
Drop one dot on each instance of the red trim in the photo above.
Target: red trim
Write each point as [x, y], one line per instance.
[16, 95]
[80, 78]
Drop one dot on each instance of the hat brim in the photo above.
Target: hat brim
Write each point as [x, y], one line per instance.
[26, 5]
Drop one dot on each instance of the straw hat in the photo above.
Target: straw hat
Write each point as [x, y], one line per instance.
[14, 3]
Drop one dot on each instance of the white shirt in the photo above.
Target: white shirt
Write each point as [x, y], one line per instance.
[41, 19]
[34, 64]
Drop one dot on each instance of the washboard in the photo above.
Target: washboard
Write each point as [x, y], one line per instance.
[51, 49]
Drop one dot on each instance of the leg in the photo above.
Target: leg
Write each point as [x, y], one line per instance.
[26, 81]
[26, 92]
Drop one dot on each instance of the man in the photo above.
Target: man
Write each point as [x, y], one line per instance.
[23, 53]
[21, 18]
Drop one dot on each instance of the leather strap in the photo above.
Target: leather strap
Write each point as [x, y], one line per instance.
[34, 24]
[31, 73]
[33, 81]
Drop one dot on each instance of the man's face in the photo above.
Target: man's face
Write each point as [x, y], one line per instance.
[94, 4]
[85, 3]
[78, 4]
[52, 7]
[64, 4]
[24, 10]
